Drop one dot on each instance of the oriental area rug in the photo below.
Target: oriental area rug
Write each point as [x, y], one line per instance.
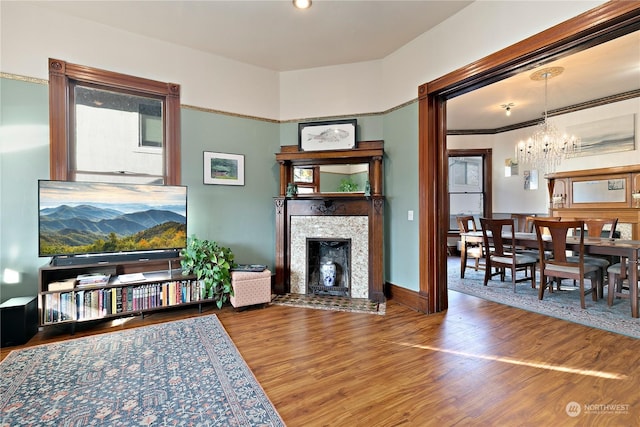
[563, 304]
[330, 302]
[182, 373]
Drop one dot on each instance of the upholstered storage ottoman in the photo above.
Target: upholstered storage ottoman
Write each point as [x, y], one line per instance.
[250, 288]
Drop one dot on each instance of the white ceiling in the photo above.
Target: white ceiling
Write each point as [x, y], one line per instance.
[276, 36]
[273, 34]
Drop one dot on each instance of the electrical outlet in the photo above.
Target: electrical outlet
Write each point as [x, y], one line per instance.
[410, 215]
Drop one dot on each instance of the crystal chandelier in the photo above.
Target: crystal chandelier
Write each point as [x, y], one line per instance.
[547, 147]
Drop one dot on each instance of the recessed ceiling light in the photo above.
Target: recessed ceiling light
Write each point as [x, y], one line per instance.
[302, 4]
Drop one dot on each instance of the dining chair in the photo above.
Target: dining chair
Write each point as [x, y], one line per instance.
[617, 282]
[520, 222]
[467, 223]
[499, 253]
[558, 266]
[598, 227]
[531, 218]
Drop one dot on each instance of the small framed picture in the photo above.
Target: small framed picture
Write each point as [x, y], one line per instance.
[331, 135]
[223, 169]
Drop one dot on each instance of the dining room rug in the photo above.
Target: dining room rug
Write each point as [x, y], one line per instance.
[183, 373]
[330, 302]
[563, 304]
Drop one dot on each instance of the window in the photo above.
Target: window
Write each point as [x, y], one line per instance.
[469, 184]
[306, 179]
[111, 127]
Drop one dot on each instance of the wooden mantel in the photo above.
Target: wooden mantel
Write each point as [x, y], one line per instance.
[329, 204]
[563, 202]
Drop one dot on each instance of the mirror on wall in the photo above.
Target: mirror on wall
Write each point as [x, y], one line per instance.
[600, 191]
[338, 178]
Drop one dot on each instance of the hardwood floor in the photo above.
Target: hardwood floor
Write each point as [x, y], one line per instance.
[479, 363]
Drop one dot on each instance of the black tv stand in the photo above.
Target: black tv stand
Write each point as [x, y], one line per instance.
[59, 261]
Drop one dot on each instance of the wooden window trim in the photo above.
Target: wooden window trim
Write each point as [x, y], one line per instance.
[62, 74]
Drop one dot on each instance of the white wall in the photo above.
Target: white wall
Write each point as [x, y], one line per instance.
[30, 34]
[478, 30]
[508, 192]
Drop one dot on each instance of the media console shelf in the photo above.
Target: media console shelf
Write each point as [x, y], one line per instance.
[150, 285]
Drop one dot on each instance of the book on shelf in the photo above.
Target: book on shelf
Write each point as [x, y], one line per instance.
[93, 279]
[62, 285]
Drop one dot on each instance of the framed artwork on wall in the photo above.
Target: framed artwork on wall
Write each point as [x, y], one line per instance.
[223, 169]
[329, 135]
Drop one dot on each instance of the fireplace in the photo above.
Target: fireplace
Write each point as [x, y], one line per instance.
[328, 266]
[347, 220]
[353, 229]
[330, 222]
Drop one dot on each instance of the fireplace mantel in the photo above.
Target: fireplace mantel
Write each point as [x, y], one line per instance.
[337, 205]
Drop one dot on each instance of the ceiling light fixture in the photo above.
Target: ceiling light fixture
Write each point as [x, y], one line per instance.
[302, 4]
[547, 147]
[507, 108]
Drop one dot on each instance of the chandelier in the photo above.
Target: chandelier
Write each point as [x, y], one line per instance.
[547, 147]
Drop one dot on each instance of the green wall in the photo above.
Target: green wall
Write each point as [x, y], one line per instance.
[401, 191]
[241, 217]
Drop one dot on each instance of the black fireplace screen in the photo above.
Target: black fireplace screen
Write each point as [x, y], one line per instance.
[328, 266]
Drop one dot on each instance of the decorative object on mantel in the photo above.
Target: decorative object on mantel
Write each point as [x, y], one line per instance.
[292, 189]
[547, 147]
[224, 169]
[329, 135]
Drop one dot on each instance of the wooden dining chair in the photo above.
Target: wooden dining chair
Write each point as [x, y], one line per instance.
[501, 257]
[467, 223]
[558, 266]
[618, 284]
[598, 227]
[520, 222]
[531, 218]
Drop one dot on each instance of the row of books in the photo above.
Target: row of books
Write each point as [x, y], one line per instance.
[96, 303]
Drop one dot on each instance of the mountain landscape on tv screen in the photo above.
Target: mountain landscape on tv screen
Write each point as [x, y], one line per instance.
[87, 228]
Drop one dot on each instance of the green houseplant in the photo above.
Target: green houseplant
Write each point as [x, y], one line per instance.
[347, 185]
[210, 263]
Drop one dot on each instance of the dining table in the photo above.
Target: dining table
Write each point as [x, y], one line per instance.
[627, 250]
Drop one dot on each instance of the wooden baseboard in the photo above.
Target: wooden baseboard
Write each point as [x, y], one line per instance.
[407, 297]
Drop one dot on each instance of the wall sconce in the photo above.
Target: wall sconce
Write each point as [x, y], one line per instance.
[302, 4]
[507, 108]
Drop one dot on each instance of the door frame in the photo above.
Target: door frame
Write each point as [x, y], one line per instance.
[598, 25]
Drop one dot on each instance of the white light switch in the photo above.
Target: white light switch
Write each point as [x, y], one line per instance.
[410, 215]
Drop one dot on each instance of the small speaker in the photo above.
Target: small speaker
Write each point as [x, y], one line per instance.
[18, 320]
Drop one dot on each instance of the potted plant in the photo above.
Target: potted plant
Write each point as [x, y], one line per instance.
[347, 185]
[211, 263]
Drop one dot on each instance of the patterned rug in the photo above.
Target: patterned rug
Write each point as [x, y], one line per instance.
[562, 305]
[330, 302]
[183, 373]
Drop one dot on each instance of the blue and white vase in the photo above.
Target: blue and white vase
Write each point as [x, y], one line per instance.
[328, 273]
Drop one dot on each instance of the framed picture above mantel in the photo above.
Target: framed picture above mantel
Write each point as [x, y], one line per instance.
[327, 135]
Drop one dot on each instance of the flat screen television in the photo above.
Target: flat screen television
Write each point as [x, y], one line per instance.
[93, 218]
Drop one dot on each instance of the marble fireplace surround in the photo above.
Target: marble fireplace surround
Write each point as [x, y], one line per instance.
[333, 213]
[342, 217]
[355, 228]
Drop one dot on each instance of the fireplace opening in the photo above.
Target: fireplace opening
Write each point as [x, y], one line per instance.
[329, 266]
